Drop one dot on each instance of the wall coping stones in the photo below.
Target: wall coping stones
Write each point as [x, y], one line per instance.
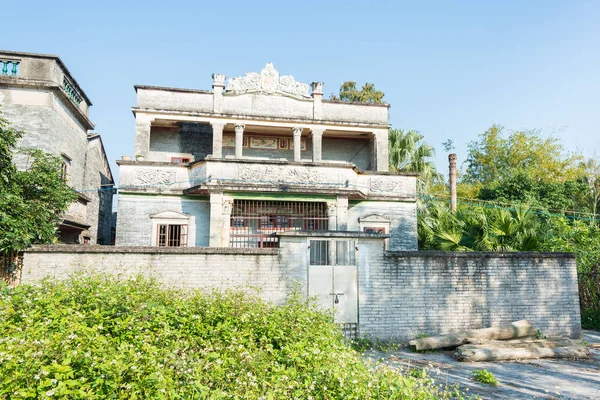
[66, 248]
[479, 254]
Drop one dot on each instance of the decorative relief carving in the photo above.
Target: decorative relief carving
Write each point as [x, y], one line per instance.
[331, 209]
[227, 205]
[388, 185]
[152, 177]
[290, 175]
[267, 82]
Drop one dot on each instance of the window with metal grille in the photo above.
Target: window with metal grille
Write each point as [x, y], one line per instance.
[255, 222]
[172, 235]
[332, 252]
[180, 160]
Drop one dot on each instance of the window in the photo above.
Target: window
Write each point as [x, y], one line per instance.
[170, 235]
[65, 168]
[332, 252]
[180, 160]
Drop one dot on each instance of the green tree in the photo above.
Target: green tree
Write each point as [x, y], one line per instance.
[495, 157]
[367, 94]
[31, 201]
[408, 153]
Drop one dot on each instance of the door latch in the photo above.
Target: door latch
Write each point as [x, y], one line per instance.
[336, 299]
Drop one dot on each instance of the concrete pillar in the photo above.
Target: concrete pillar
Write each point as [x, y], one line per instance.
[239, 140]
[216, 219]
[342, 213]
[317, 144]
[332, 216]
[317, 95]
[452, 166]
[297, 132]
[226, 222]
[218, 87]
[381, 151]
[217, 144]
[142, 135]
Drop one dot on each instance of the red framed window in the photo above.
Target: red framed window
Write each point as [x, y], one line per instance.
[172, 235]
[180, 160]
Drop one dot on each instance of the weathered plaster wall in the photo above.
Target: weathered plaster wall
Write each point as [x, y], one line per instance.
[405, 294]
[98, 181]
[190, 140]
[135, 225]
[402, 220]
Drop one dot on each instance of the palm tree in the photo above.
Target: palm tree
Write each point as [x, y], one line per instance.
[407, 153]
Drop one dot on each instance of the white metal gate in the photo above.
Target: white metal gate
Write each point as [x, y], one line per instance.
[333, 278]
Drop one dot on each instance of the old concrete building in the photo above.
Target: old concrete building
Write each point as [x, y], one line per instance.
[258, 155]
[39, 96]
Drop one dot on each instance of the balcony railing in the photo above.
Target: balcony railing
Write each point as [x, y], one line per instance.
[9, 67]
[72, 91]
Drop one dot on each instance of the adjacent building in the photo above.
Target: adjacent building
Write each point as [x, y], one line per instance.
[258, 155]
[39, 95]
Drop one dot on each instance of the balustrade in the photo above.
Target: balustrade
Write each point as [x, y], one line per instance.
[71, 91]
[9, 67]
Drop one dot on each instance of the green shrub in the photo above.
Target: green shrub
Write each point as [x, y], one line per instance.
[485, 377]
[590, 319]
[99, 337]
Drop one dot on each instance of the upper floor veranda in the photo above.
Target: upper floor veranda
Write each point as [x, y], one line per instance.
[261, 116]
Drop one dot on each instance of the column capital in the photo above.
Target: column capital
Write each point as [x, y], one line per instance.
[218, 125]
[239, 127]
[297, 130]
[218, 80]
[317, 88]
[317, 131]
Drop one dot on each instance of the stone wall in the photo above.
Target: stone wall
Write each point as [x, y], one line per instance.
[405, 294]
[401, 294]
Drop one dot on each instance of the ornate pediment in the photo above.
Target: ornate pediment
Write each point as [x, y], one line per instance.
[170, 215]
[375, 218]
[267, 82]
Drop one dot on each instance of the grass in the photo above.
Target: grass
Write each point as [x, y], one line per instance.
[97, 337]
[485, 377]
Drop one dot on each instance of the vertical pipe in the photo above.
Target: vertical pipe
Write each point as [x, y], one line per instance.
[452, 165]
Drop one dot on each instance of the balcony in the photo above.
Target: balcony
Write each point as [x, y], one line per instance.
[247, 175]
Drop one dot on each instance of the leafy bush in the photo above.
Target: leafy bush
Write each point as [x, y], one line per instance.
[100, 337]
[485, 377]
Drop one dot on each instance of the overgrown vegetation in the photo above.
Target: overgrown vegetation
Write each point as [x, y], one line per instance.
[31, 200]
[100, 337]
[484, 376]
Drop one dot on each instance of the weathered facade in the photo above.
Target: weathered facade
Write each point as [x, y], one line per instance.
[39, 96]
[233, 166]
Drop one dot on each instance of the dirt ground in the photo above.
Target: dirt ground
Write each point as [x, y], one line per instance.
[528, 379]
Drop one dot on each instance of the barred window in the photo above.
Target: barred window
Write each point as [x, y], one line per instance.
[172, 235]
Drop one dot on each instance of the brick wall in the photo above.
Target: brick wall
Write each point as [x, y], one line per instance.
[404, 294]
[192, 267]
[400, 294]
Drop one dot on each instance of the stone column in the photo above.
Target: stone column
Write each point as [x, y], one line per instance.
[317, 95]
[332, 215]
[342, 213]
[218, 87]
[226, 222]
[239, 140]
[317, 140]
[217, 144]
[452, 166]
[142, 135]
[297, 132]
[216, 219]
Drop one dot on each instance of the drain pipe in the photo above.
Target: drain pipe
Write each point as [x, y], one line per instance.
[452, 164]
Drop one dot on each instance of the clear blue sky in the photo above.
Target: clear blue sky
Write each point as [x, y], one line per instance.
[449, 69]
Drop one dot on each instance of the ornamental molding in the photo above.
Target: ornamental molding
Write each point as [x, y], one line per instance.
[153, 177]
[170, 215]
[288, 175]
[375, 218]
[392, 185]
[268, 82]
